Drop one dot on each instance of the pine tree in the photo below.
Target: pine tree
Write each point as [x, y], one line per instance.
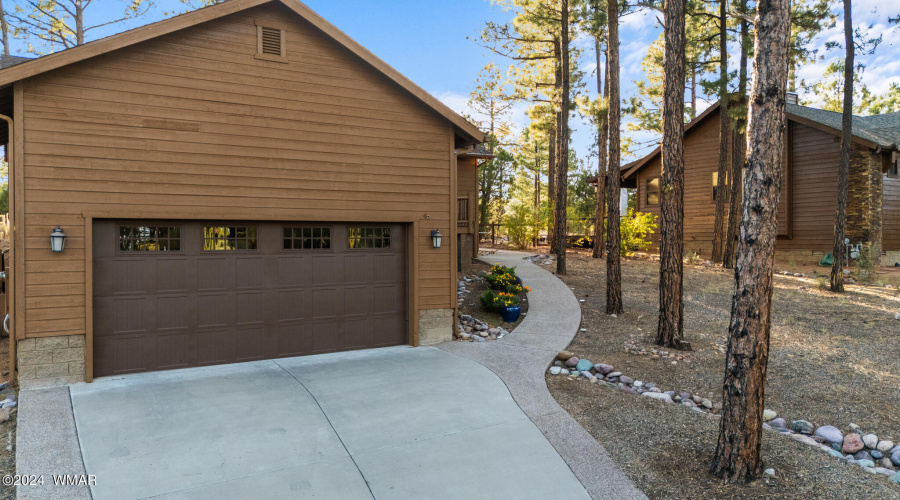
[840, 217]
[737, 457]
[671, 242]
[613, 176]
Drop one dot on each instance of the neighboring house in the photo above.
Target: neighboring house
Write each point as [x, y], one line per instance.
[237, 183]
[809, 194]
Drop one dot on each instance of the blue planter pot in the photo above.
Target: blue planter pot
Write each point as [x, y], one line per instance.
[510, 314]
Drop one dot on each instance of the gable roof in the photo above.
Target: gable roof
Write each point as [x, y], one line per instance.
[875, 132]
[21, 69]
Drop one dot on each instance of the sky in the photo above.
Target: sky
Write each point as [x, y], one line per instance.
[431, 42]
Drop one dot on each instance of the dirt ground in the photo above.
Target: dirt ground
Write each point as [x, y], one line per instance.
[471, 303]
[834, 359]
[7, 429]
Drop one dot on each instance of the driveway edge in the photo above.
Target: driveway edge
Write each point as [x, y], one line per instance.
[521, 358]
[47, 444]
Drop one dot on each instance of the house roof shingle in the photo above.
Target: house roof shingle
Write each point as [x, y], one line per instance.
[883, 130]
[10, 61]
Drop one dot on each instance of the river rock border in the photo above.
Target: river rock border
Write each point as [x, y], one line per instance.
[866, 450]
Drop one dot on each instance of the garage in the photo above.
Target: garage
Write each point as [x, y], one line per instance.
[177, 294]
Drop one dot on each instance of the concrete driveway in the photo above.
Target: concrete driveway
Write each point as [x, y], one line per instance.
[390, 423]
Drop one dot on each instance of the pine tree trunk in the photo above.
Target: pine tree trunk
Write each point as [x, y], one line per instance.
[738, 150]
[613, 175]
[602, 131]
[562, 158]
[737, 458]
[840, 218]
[724, 122]
[669, 331]
[551, 189]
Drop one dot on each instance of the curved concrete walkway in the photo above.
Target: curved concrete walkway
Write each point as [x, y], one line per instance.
[521, 358]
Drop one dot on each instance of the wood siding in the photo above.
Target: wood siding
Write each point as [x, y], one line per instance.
[890, 222]
[808, 199]
[467, 175]
[192, 125]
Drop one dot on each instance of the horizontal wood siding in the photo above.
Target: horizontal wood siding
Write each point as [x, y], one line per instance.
[890, 223]
[815, 160]
[192, 125]
[808, 195]
[467, 187]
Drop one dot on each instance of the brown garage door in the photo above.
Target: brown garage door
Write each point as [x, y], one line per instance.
[174, 294]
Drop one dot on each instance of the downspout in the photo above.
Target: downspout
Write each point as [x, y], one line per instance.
[9, 279]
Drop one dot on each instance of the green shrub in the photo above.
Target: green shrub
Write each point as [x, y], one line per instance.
[522, 225]
[691, 258]
[864, 266]
[583, 242]
[636, 228]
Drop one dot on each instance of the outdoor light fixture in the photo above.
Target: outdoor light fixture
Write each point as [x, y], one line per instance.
[57, 240]
[436, 238]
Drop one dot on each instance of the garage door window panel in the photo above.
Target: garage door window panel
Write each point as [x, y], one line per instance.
[228, 238]
[306, 238]
[149, 238]
[369, 237]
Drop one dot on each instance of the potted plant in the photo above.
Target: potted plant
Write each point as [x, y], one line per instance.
[509, 307]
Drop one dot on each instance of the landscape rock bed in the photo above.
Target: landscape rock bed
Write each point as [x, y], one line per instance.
[474, 330]
[866, 450]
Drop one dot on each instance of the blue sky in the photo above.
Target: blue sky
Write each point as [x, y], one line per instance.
[427, 41]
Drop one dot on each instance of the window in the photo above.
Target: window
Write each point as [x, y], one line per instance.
[653, 191]
[270, 43]
[895, 161]
[462, 212]
[369, 237]
[307, 238]
[715, 185]
[149, 238]
[216, 238]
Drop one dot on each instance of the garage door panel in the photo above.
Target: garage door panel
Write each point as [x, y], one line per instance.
[128, 276]
[324, 303]
[216, 346]
[215, 310]
[174, 350]
[357, 302]
[252, 344]
[128, 353]
[389, 299]
[388, 267]
[215, 273]
[133, 315]
[358, 269]
[327, 270]
[293, 305]
[173, 275]
[251, 308]
[249, 272]
[293, 270]
[359, 333]
[172, 312]
[388, 331]
[294, 340]
[297, 294]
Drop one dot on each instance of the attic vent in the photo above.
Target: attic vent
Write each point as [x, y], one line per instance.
[271, 41]
[270, 44]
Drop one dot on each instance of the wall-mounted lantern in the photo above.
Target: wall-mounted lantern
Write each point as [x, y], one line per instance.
[436, 238]
[57, 240]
